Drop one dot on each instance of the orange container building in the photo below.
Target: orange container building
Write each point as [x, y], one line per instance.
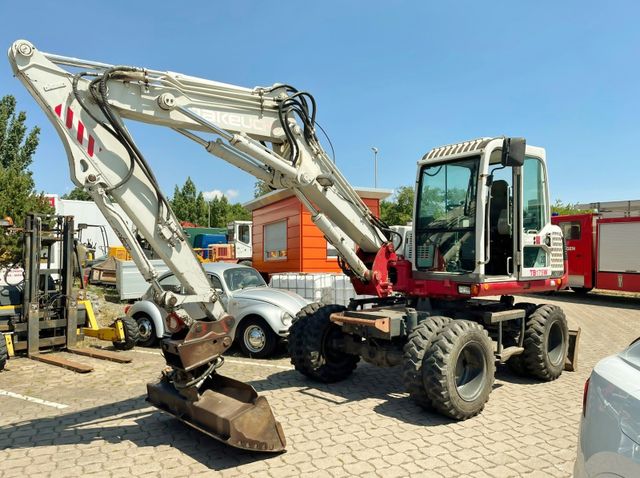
[285, 239]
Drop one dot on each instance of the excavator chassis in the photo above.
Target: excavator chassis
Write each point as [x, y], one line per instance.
[225, 409]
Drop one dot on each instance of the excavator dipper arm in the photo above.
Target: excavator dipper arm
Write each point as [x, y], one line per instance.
[105, 161]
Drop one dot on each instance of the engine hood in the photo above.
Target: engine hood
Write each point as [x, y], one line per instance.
[284, 299]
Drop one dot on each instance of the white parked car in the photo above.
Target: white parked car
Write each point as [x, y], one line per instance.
[609, 442]
[263, 315]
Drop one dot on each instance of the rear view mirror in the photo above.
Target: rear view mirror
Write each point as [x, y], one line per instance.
[513, 150]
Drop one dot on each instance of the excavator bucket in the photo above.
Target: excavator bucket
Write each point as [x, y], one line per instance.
[225, 409]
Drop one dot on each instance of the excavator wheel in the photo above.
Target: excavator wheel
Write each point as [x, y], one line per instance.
[296, 336]
[458, 371]
[4, 353]
[309, 339]
[546, 342]
[131, 334]
[418, 343]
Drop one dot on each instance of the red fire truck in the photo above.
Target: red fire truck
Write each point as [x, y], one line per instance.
[603, 252]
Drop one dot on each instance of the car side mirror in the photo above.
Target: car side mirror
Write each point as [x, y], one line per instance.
[513, 150]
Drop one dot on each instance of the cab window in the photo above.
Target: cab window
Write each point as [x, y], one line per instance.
[534, 200]
[244, 233]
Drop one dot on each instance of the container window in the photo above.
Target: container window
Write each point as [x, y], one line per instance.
[332, 252]
[275, 241]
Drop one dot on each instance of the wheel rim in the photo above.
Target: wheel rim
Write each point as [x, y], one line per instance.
[470, 371]
[254, 338]
[555, 343]
[329, 353]
[145, 329]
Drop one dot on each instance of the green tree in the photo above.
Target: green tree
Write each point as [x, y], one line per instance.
[238, 213]
[219, 207]
[562, 208]
[201, 210]
[77, 193]
[261, 188]
[399, 209]
[190, 205]
[185, 203]
[17, 187]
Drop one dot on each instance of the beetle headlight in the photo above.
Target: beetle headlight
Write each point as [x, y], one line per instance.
[286, 318]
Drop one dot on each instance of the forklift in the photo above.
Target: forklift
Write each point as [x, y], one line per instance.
[41, 312]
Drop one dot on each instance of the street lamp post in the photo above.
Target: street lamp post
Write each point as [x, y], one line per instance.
[375, 166]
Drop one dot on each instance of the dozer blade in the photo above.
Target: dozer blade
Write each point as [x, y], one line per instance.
[225, 409]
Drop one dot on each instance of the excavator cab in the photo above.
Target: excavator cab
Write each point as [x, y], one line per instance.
[482, 215]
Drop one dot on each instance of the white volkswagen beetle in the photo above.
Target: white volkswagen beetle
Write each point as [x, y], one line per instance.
[263, 315]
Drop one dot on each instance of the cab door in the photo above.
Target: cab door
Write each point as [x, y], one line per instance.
[534, 248]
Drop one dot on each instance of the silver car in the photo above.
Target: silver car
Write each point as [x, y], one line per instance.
[263, 315]
[609, 443]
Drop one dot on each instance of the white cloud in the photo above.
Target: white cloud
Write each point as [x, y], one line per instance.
[209, 195]
[216, 193]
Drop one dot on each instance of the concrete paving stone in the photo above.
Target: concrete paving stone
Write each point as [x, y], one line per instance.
[446, 472]
[412, 468]
[501, 471]
[394, 472]
[335, 472]
[449, 459]
[499, 458]
[430, 463]
[466, 454]
[316, 454]
[358, 468]
[295, 458]
[380, 464]
[554, 471]
[347, 458]
[465, 468]
[287, 470]
[480, 474]
[395, 459]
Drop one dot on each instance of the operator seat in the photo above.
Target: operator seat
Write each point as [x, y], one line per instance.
[500, 246]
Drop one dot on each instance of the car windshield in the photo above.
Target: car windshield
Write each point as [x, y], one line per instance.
[243, 277]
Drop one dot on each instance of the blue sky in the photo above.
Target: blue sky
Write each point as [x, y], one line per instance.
[402, 76]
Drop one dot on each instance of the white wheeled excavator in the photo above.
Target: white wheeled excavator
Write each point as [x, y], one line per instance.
[482, 228]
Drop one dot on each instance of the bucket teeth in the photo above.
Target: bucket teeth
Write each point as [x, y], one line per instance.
[225, 409]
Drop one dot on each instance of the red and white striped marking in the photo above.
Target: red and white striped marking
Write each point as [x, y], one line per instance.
[80, 136]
